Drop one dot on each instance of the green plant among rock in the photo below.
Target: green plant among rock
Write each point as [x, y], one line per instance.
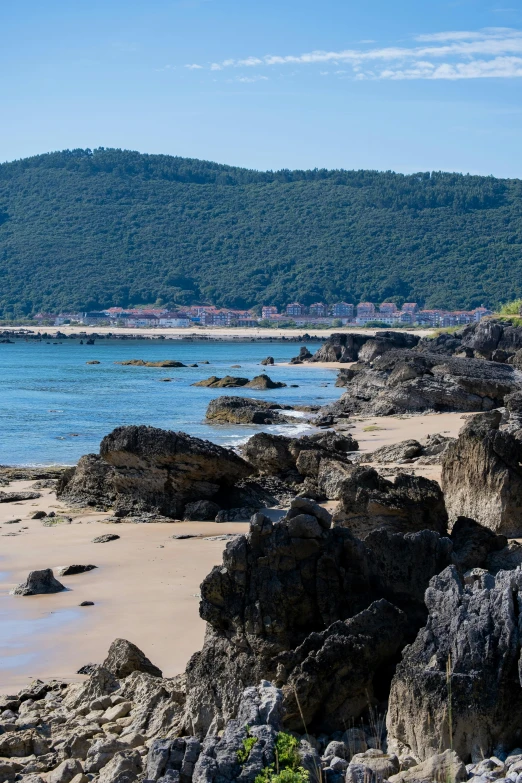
[248, 743]
[287, 767]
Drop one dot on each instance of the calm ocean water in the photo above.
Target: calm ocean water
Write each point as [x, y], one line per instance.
[54, 407]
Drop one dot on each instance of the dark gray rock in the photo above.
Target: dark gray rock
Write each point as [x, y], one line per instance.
[472, 543]
[13, 497]
[153, 470]
[39, 583]
[471, 642]
[407, 381]
[244, 410]
[259, 716]
[73, 569]
[201, 511]
[124, 658]
[105, 538]
[279, 586]
[409, 504]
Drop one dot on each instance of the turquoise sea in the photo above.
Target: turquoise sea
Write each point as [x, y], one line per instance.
[54, 407]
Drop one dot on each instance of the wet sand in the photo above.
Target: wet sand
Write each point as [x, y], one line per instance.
[145, 589]
[146, 586]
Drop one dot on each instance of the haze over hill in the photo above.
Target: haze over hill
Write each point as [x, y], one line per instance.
[88, 229]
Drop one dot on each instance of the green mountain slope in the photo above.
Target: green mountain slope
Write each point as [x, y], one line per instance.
[83, 230]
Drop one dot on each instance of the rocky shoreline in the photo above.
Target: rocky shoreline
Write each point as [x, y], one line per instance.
[370, 634]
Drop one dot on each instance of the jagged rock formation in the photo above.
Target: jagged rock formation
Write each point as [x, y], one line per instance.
[512, 418]
[407, 381]
[384, 342]
[492, 338]
[39, 583]
[287, 581]
[245, 410]
[340, 347]
[350, 347]
[331, 677]
[482, 475]
[148, 469]
[467, 655]
[315, 459]
[90, 483]
[409, 504]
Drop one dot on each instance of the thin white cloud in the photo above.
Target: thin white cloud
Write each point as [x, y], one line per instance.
[498, 68]
[251, 79]
[194, 67]
[461, 54]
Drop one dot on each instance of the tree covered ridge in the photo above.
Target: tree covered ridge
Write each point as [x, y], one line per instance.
[83, 229]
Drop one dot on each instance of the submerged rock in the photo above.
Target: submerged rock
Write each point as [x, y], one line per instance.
[245, 410]
[142, 363]
[39, 583]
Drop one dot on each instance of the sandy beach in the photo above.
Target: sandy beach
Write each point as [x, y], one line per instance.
[211, 333]
[145, 588]
[146, 584]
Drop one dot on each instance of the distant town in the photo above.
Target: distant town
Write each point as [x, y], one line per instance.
[294, 314]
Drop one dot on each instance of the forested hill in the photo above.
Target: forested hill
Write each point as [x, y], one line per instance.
[87, 229]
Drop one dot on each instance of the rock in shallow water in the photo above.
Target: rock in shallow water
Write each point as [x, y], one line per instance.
[39, 583]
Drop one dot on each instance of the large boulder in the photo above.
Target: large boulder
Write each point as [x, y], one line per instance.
[458, 685]
[125, 657]
[482, 476]
[244, 410]
[154, 470]
[279, 455]
[287, 581]
[369, 501]
[39, 583]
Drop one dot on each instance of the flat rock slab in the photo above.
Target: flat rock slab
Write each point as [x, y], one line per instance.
[12, 497]
[106, 537]
[70, 570]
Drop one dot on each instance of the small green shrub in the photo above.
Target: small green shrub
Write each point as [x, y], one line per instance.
[287, 767]
[244, 752]
[268, 775]
[511, 308]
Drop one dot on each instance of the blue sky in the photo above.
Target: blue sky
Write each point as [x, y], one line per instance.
[410, 85]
